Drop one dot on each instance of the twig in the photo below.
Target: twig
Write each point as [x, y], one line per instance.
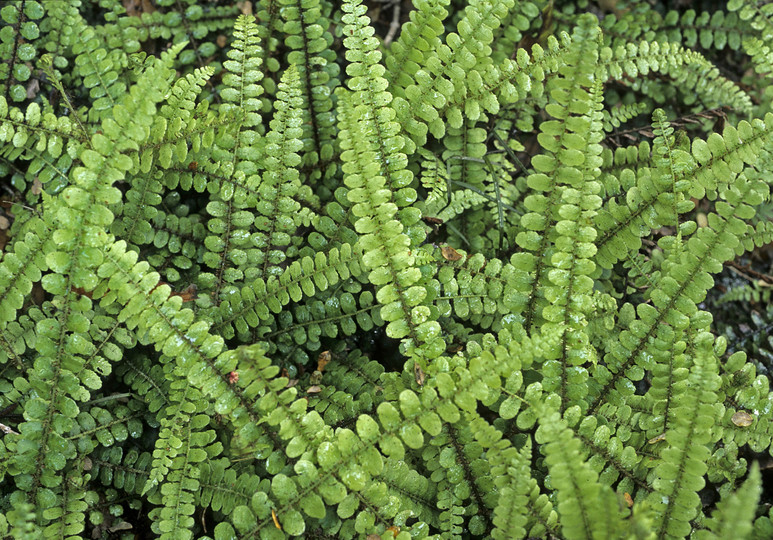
[6, 429]
[744, 270]
[394, 25]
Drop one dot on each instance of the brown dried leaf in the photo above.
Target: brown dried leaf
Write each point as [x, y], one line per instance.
[135, 8]
[37, 186]
[132, 7]
[79, 290]
[742, 419]
[661, 437]
[450, 254]
[454, 348]
[188, 294]
[120, 526]
[418, 374]
[628, 499]
[33, 87]
[323, 360]
[245, 6]
[221, 40]
[316, 389]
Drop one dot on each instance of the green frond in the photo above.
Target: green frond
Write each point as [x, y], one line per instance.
[517, 491]
[20, 45]
[410, 51]
[554, 282]
[21, 266]
[620, 115]
[687, 67]
[181, 446]
[127, 471]
[20, 523]
[48, 142]
[256, 305]
[327, 315]
[223, 488]
[519, 22]
[716, 163]
[679, 476]
[79, 215]
[577, 484]
[735, 513]
[686, 278]
[460, 201]
[476, 289]
[95, 65]
[69, 515]
[308, 36]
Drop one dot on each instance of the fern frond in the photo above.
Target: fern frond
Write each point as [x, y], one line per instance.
[516, 487]
[719, 163]
[577, 484]
[735, 512]
[223, 488]
[307, 34]
[679, 476]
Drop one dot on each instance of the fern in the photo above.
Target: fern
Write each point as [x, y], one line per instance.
[265, 275]
[684, 460]
[576, 484]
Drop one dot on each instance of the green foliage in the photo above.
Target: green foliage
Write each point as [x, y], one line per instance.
[298, 274]
[576, 485]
